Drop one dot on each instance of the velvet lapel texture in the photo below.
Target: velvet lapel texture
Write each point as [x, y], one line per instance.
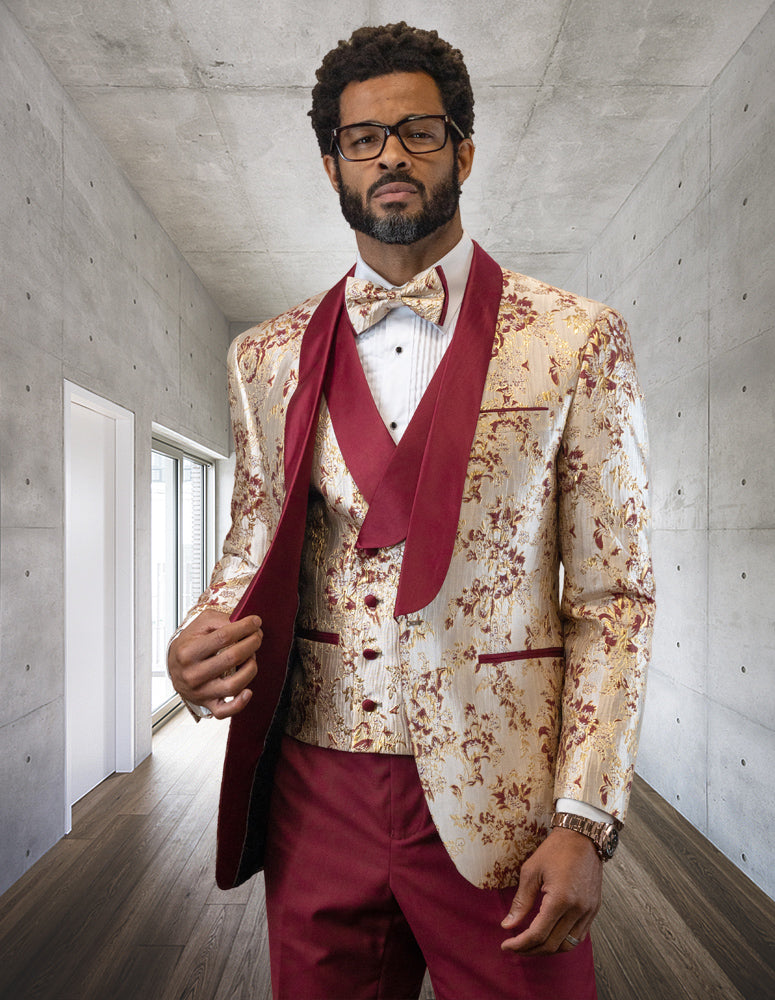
[273, 595]
[435, 512]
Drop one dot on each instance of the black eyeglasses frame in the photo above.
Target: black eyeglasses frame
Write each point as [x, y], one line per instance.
[393, 130]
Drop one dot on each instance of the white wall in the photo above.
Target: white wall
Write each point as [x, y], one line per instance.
[91, 290]
[690, 261]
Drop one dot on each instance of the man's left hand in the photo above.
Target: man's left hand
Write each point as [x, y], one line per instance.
[568, 873]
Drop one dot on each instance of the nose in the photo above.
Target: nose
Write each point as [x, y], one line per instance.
[393, 156]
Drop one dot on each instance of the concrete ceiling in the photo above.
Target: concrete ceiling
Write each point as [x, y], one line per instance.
[203, 104]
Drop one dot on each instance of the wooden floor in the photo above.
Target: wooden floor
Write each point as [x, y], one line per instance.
[125, 907]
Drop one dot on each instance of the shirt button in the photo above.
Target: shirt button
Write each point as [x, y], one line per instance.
[370, 654]
[399, 350]
[368, 705]
[393, 425]
[370, 601]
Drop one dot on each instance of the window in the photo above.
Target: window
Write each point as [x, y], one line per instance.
[179, 530]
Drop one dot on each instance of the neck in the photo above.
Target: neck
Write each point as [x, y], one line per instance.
[398, 264]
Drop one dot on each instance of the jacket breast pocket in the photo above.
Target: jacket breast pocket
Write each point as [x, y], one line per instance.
[513, 443]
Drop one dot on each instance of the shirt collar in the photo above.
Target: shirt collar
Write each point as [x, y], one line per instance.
[456, 265]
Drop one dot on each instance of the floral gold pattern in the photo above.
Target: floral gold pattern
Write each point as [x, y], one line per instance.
[509, 690]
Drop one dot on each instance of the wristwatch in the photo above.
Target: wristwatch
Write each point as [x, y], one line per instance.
[605, 836]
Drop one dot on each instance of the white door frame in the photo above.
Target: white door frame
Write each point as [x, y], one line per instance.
[124, 569]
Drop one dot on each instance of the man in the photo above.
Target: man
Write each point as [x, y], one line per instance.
[427, 457]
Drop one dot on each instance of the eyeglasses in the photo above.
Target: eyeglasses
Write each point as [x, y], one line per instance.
[416, 133]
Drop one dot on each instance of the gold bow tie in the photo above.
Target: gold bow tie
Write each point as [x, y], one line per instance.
[367, 303]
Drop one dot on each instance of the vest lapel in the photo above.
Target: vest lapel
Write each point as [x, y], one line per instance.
[363, 439]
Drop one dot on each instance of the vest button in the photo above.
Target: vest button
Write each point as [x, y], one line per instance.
[369, 553]
[368, 705]
[370, 601]
[370, 654]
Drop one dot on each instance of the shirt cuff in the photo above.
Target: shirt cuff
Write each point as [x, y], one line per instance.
[583, 809]
[198, 711]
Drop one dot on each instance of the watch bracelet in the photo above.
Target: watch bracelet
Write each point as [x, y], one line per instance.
[594, 830]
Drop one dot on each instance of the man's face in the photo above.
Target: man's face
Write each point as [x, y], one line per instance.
[398, 197]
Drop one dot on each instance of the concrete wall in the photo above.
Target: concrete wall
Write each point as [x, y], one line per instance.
[91, 290]
[690, 261]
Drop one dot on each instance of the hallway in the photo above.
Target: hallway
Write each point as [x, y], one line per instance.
[125, 907]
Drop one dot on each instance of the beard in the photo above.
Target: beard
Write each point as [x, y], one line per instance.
[395, 226]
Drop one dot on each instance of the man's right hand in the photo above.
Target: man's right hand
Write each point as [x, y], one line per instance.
[213, 660]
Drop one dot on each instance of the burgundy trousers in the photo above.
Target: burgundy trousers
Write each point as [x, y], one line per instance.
[362, 895]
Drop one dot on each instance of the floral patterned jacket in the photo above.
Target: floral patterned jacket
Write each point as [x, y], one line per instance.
[523, 680]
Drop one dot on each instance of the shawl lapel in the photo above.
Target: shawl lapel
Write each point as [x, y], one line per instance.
[254, 733]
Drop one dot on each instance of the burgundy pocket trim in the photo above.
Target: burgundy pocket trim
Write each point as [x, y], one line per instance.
[521, 654]
[514, 409]
[331, 638]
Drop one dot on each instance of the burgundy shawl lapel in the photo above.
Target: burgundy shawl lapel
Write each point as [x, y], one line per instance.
[273, 594]
[435, 511]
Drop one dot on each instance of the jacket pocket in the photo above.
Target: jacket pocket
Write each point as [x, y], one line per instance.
[521, 654]
[514, 409]
[330, 638]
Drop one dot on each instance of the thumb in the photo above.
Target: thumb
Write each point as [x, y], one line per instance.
[521, 905]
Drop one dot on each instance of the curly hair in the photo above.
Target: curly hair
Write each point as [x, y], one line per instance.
[392, 48]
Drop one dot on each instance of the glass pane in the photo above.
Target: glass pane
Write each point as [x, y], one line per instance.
[164, 570]
[192, 513]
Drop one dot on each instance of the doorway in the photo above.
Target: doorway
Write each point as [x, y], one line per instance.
[99, 587]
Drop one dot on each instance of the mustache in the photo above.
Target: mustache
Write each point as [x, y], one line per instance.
[396, 177]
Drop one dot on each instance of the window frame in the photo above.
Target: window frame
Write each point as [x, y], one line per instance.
[179, 452]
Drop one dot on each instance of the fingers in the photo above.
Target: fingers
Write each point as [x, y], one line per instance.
[548, 932]
[221, 688]
[217, 656]
[573, 939]
[213, 660]
[568, 873]
[529, 884]
[222, 709]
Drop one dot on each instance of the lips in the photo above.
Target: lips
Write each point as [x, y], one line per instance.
[394, 191]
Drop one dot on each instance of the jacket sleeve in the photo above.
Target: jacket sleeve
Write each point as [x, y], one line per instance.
[253, 502]
[608, 595]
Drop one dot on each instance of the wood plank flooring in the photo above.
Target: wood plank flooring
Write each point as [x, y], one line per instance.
[125, 907]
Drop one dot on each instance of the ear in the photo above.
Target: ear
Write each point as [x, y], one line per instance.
[465, 158]
[329, 163]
